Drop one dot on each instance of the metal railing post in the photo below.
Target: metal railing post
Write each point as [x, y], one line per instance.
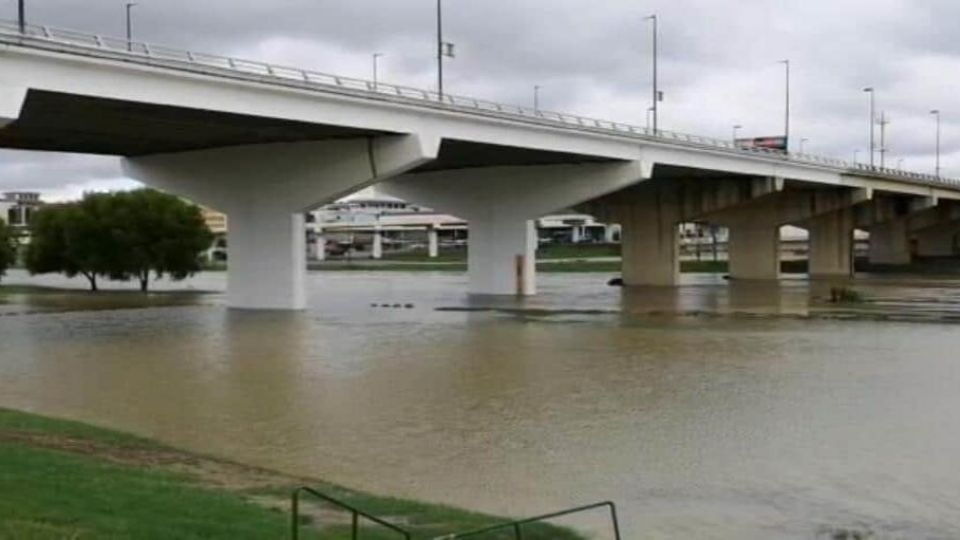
[295, 515]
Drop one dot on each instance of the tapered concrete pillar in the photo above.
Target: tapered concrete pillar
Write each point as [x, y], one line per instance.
[831, 244]
[265, 189]
[754, 250]
[433, 242]
[500, 205]
[650, 240]
[890, 242]
[501, 257]
[267, 260]
[377, 246]
[939, 241]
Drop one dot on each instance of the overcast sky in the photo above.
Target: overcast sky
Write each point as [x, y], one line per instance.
[718, 62]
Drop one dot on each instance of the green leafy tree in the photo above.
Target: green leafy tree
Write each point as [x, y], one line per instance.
[8, 251]
[157, 234]
[68, 239]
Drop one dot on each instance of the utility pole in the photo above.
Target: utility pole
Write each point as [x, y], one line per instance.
[22, 16]
[883, 138]
[736, 128]
[873, 120]
[936, 112]
[786, 123]
[536, 98]
[656, 88]
[130, 6]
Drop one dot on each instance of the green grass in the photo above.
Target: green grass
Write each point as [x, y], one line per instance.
[61, 479]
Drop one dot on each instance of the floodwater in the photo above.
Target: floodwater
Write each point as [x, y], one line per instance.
[715, 410]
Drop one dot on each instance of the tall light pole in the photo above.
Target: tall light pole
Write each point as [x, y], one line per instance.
[22, 16]
[803, 142]
[873, 119]
[536, 97]
[736, 128]
[376, 70]
[130, 6]
[443, 48]
[936, 112]
[855, 154]
[786, 122]
[656, 88]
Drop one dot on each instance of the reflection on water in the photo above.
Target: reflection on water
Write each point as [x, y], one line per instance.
[700, 427]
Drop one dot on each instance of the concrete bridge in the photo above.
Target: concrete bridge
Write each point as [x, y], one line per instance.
[265, 143]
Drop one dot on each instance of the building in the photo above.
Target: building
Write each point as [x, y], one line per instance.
[17, 209]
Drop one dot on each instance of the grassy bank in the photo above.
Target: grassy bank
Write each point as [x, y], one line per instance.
[62, 479]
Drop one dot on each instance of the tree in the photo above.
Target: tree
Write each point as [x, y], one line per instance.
[8, 251]
[121, 236]
[157, 233]
[68, 239]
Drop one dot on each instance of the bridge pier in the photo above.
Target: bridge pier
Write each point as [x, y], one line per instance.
[890, 242]
[939, 241]
[649, 239]
[831, 244]
[754, 249]
[500, 204]
[265, 189]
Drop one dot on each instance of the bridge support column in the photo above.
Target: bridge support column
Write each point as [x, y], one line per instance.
[890, 242]
[939, 241]
[754, 250]
[501, 257]
[433, 242]
[265, 190]
[831, 244]
[650, 240]
[377, 245]
[500, 204]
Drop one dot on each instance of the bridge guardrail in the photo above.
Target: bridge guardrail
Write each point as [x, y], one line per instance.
[220, 65]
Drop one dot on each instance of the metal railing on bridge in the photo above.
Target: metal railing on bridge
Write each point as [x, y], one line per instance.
[42, 36]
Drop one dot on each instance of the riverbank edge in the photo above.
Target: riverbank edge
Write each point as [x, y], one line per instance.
[72, 479]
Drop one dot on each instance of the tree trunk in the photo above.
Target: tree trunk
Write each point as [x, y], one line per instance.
[144, 281]
[92, 278]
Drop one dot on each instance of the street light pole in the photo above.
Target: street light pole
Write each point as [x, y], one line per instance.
[855, 154]
[873, 119]
[130, 6]
[536, 98]
[936, 112]
[22, 16]
[376, 70]
[786, 122]
[656, 89]
[736, 128]
[803, 141]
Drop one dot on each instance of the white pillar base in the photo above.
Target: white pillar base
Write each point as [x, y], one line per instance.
[266, 264]
[754, 251]
[433, 242]
[501, 258]
[377, 244]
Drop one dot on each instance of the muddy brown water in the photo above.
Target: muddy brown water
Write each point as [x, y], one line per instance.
[715, 410]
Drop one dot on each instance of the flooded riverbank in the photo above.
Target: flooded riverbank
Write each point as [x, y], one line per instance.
[745, 417]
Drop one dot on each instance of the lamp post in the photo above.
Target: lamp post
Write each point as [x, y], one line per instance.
[736, 128]
[536, 98]
[786, 122]
[873, 118]
[900, 164]
[130, 6]
[656, 89]
[376, 70]
[856, 153]
[936, 112]
[443, 48]
[22, 16]
[803, 142]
